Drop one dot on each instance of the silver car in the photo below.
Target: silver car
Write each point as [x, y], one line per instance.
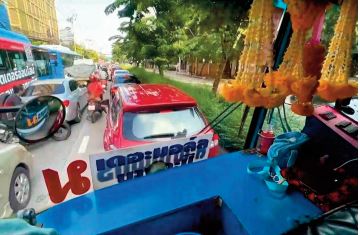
[67, 90]
[15, 178]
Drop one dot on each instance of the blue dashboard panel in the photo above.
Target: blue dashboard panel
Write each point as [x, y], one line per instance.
[255, 207]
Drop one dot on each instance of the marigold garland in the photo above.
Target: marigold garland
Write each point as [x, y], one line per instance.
[256, 57]
[334, 83]
[303, 14]
[314, 50]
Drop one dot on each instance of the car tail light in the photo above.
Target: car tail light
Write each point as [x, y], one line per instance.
[215, 141]
[66, 103]
[113, 90]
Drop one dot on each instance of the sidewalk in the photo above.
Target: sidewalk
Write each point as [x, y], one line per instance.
[183, 77]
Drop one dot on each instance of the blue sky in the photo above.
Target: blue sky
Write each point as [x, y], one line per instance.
[92, 26]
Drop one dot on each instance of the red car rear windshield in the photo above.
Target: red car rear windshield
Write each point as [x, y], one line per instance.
[160, 125]
[44, 89]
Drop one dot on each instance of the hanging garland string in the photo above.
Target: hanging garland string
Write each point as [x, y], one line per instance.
[291, 76]
[255, 60]
[334, 82]
[257, 86]
[314, 50]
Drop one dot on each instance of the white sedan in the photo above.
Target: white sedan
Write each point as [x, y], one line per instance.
[15, 176]
[73, 97]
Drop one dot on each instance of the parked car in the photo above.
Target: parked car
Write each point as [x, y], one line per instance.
[119, 72]
[140, 114]
[122, 79]
[15, 178]
[67, 90]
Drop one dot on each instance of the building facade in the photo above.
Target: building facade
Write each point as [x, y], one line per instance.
[34, 18]
[67, 37]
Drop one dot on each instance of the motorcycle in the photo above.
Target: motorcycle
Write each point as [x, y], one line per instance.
[94, 110]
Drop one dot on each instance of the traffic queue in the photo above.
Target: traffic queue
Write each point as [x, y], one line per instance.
[136, 114]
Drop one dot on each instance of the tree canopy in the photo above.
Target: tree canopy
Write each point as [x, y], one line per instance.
[160, 31]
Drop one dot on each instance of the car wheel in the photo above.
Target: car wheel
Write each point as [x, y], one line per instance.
[63, 133]
[93, 117]
[78, 114]
[20, 189]
[3, 98]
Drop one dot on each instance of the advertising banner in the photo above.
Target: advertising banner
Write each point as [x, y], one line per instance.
[17, 77]
[116, 166]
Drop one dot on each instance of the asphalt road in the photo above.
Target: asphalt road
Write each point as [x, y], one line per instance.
[86, 138]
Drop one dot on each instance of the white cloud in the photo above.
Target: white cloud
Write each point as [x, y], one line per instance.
[92, 27]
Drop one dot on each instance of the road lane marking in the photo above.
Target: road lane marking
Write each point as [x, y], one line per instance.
[84, 144]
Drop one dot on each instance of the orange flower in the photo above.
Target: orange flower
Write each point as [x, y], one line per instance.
[232, 92]
[303, 109]
[278, 81]
[332, 92]
[314, 56]
[303, 13]
[304, 88]
[253, 98]
[274, 100]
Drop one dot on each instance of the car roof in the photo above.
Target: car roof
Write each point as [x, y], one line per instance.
[121, 71]
[150, 97]
[50, 81]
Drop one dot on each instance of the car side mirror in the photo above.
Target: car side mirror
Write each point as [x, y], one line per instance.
[39, 119]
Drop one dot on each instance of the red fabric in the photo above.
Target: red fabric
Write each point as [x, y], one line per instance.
[95, 89]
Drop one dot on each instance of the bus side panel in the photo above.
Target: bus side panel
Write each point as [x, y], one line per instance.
[16, 65]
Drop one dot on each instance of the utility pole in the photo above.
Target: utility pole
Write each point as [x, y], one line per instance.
[72, 20]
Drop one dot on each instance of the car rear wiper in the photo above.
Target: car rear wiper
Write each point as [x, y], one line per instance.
[165, 135]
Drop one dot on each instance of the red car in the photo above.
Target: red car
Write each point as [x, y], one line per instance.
[141, 114]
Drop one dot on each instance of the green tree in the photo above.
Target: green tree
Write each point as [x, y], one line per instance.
[86, 53]
[203, 29]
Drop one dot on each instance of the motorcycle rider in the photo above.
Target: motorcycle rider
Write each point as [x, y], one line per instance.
[95, 90]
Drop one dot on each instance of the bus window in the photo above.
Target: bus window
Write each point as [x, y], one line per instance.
[68, 60]
[42, 62]
[17, 59]
[53, 57]
[4, 64]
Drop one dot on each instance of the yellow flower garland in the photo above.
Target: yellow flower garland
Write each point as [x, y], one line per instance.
[255, 58]
[290, 76]
[334, 83]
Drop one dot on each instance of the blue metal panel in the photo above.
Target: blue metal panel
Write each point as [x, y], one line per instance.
[4, 18]
[256, 208]
[14, 36]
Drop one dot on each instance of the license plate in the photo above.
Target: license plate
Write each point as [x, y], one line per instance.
[91, 107]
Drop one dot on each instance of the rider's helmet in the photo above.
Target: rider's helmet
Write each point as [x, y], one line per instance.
[93, 77]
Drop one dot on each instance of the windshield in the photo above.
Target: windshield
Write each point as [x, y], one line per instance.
[121, 72]
[169, 124]
[44, 89]
[119, 79]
